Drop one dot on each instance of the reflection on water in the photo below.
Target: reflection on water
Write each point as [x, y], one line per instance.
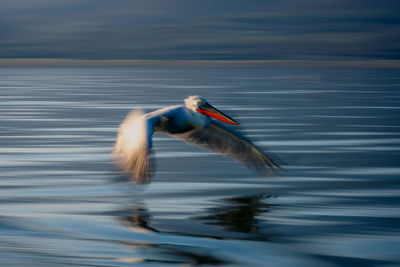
[239, 214]
[139, 221]
[236, 214]
[63, 203]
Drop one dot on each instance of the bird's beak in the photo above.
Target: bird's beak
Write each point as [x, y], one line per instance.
[209, 110]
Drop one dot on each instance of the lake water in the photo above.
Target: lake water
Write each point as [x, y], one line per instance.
[336, 133]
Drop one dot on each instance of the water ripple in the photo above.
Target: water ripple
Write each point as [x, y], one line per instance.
[64, 202]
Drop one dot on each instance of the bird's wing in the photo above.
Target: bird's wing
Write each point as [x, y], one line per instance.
[221, 140]
[132, 148]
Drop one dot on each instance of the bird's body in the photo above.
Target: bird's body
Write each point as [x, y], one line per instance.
[191, 123]
[177, 119]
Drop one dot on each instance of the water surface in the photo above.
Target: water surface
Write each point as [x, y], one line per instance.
[335, 132]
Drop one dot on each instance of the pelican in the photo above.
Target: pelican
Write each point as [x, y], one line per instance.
[195, 123]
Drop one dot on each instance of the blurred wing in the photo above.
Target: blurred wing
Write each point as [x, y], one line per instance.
[132, 148]
[220, 140]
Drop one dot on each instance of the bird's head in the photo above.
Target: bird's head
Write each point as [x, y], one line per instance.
[199, 104]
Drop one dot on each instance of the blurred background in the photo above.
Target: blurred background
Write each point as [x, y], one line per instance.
[200, 30]
[314, 83]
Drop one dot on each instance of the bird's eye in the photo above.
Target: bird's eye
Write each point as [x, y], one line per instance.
[202, 102]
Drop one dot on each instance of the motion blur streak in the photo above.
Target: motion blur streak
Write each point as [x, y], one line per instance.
[63, 202]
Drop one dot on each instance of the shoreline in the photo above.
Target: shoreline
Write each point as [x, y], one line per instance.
[53, 62]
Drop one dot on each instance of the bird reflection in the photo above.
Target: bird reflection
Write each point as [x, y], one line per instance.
[139, 221]
[238, 214]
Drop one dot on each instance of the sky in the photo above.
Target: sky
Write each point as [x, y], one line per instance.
[200, 29]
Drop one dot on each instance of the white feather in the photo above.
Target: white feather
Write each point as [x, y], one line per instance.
[132, 148]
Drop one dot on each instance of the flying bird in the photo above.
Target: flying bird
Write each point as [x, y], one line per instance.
[195, 123]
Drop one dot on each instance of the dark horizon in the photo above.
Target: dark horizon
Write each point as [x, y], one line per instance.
[200, 31]
[61, 62]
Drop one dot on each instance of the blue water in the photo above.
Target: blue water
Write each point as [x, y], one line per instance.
[336, 133]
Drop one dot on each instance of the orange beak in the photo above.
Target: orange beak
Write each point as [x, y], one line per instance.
[210, 111]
